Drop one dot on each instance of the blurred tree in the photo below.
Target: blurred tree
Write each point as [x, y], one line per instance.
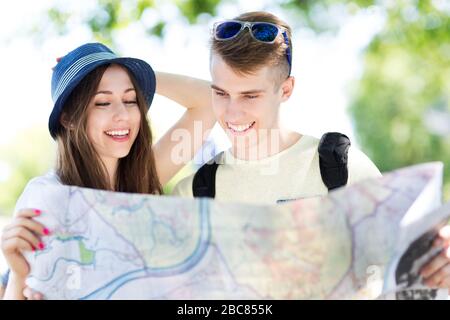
[31, 154]
[406, 77]
[406, 67]
[109, 16]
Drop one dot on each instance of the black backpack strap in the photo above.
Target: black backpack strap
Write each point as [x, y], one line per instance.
[333, 158]
[204, 183]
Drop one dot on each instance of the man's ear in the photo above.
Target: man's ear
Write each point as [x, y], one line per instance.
[287, 87]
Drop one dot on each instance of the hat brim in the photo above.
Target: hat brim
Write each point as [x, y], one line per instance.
[141, 71]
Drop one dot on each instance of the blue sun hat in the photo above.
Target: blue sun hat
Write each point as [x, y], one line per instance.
[77, 64]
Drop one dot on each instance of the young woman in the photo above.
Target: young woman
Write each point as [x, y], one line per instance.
[104, 141]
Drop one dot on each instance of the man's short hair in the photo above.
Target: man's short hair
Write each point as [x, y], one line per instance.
[245, 55]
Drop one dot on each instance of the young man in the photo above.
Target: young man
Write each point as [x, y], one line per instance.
[267, 163]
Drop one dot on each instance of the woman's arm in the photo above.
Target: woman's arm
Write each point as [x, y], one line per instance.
[191, 93]
[181, 142]
[15, 287]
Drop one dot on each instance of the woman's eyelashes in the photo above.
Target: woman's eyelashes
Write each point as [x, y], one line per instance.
[224, 94]
[105, 104]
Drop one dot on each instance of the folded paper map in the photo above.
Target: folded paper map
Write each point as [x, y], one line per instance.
[365, 241]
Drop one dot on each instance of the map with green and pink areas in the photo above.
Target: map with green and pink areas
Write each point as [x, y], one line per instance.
[365, 241]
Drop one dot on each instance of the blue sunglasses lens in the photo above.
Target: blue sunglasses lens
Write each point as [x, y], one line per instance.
[264, 32]
[227, 30]
[261, 31]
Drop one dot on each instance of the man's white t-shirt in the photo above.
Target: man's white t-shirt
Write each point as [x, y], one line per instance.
[291, 174]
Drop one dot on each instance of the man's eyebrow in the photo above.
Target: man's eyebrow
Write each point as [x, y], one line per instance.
[252, 91]
[109, 92]
[213, 86]
[242, 92]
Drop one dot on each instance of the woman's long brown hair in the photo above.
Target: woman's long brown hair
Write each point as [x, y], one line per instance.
[79, 164]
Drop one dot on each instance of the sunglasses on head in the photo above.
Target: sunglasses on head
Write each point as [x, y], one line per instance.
[260, 31]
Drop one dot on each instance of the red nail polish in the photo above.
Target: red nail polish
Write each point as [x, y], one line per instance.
[41, 246]
[33, 249]
[37, 211]
[46, 231]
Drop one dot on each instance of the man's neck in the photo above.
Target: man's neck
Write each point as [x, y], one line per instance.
[267, 144]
